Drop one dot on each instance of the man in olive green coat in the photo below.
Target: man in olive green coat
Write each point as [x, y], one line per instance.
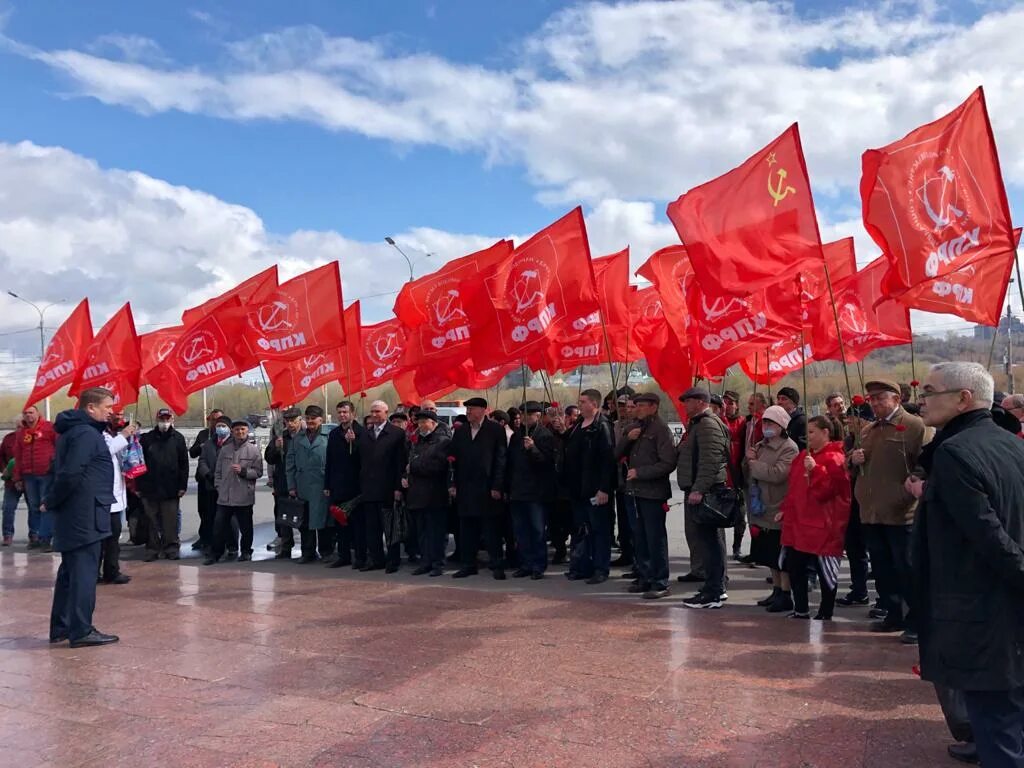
[304, 466]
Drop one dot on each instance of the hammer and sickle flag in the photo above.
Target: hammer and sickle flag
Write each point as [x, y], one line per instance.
[753, 226]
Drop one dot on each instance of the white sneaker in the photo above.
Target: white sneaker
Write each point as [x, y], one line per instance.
[724, 596]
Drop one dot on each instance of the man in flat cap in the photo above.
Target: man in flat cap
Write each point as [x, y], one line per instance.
[477, 454]
[239, 466]
[648, 457]
[889, 451]
[531, 489]
[304, 465]
[701, 467]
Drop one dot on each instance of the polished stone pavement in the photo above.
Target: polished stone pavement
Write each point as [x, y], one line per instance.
[277, 664]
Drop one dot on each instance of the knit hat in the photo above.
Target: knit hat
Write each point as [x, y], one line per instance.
[777, 414]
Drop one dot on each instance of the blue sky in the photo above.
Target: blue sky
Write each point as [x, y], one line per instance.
[189, 145]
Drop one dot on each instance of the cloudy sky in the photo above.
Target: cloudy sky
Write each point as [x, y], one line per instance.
[161, 153]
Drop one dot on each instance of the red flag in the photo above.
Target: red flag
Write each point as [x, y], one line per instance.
[200, 357]
[975, 292]
[113, 360]
[841, 261]
[671, 273]
[585, 343]
[383, 347]
[412, 389]
[301, 317]
[156, 346]
[291, 381]
[667, 360]
[64, 354]
[431, 307]
[755, 224]
[532, 295]
[727, 329]
[250, 291]
[779, 360]
[934, 201]
[867, 319]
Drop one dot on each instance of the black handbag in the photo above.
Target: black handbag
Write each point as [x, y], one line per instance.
[291, 512]
[720, 507]
[396, 523]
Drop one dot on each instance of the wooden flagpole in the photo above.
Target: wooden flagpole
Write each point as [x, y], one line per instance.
[839, 333]
[803, 366]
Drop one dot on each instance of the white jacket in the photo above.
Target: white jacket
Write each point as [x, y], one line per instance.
[116, 444]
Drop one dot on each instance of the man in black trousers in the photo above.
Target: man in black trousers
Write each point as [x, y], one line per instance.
[477, 455]
[341, 484]
[79, 500]
[382, 449]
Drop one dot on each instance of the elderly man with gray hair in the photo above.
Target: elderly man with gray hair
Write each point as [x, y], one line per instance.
[968, 556]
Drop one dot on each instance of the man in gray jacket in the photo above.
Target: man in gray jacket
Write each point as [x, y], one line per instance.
[648, 453]
[239, 466]
[701, 468]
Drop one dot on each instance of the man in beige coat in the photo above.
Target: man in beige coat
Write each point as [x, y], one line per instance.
[887, 454]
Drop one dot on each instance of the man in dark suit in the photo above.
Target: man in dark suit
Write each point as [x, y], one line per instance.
[968, 559]
[477, 454]
[79, 499]
[382, 458]
[341, 484]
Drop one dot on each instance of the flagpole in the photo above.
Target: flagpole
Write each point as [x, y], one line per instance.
[992, 349]
[803, 365]
[757, 363]
[149, 406]
[523, 369]
[579, 390]
[839, 332]
[608, 349]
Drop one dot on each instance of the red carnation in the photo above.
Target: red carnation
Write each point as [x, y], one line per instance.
[901, 428]
[624, 460]
[554, 405]
[858, 400]
[451, 459]
[664, 507]
[915, 383]
[362, 394]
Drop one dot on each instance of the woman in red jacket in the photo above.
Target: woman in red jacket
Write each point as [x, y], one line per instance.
[815, 513]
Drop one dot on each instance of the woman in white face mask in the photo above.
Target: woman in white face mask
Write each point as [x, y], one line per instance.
[768, 465]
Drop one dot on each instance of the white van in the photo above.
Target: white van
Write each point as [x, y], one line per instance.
[447, 410]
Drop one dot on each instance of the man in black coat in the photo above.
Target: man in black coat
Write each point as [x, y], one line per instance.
[968, 558]
[341, 484]
[275, 455]
[426, 495]
[531, 489]
[206, 503]
[382, 449]
[477, 482]
[163, 484]
[590, 479]
[79, 499]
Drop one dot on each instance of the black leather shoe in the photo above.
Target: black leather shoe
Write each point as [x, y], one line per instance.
[909, 637]
[339, 564]
[210, 561]
[886, 626]
[630, 575]
[173, 556]
[764, 603]
[597, 578]
[877, 613]
[965, 753]
[464, 572]
[536, 576]
[655, 594]
[370, 567]
[284, 554]
[244, 557]
[94, 638]
[436, 572]
[498, 574]
[307, 559]
[358, 566]
[121, 578]
[852, 598]
[689, 578]
[575, 576]
[197, 546]
[391, 569]
[421, 571]
[151, 557]
[520, 573]
[58, 639]
[637, 589]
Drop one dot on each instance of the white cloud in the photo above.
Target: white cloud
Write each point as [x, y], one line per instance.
[626, 100]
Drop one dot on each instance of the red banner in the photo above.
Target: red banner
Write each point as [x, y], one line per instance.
[156, 346]
[934, 201]
[671, 273]
[291, 381]
[201, 356]
[532, 295]
[841, 260]
[382, 350]
[667, 360]
[255, 289]
[753, 225]
[779, 360]
[113, 360]
[64, 354]
[301, 317]
[867, 319]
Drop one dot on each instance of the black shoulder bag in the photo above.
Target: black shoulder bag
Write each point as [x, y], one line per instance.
[721, 505]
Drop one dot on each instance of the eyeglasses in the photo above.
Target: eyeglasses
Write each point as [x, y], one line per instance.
[925, 395]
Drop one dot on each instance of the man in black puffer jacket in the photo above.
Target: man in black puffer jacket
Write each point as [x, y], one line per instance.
[590, 479]
[530, 475]
[426, 491]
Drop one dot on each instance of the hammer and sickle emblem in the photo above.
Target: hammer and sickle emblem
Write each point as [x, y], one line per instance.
[779, 192]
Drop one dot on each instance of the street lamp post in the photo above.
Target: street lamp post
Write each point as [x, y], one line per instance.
[390, 241]
[42, 331]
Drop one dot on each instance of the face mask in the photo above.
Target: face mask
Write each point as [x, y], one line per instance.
[770, 432]
[163, 426]
[222, 431]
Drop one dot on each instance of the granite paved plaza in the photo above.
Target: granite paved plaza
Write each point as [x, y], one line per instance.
[276, 664]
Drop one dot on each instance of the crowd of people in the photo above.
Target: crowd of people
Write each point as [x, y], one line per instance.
[926, 513]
